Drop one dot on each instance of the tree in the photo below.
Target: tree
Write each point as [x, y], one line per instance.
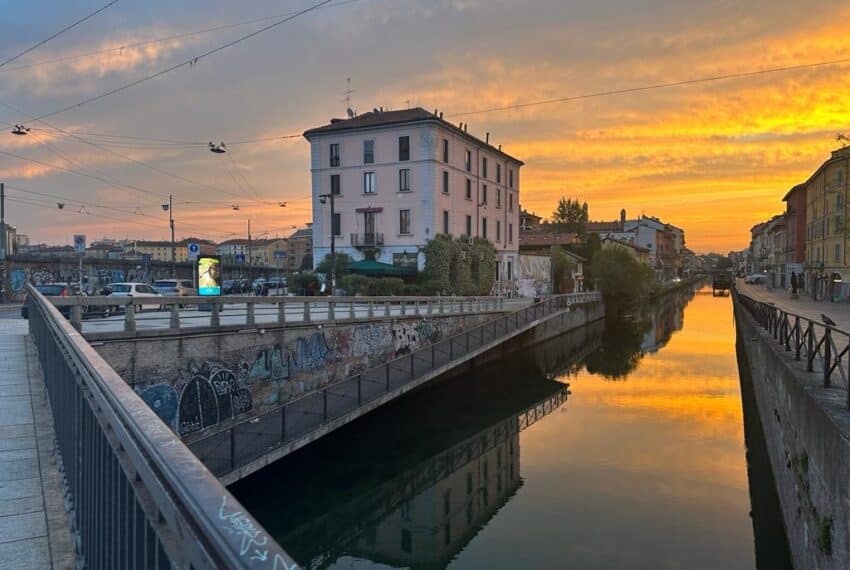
[623, 280]
[306, 263]
[570, 215]
[562, 271]
[453, 266]
[343, 264]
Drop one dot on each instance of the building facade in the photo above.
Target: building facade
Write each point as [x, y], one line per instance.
[795, 233]
[398, 178]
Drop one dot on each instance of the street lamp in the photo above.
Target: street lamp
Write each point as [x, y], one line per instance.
[323, 199]
[170, 209]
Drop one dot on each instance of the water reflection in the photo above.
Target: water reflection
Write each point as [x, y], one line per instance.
[645, 473]
[411, 484]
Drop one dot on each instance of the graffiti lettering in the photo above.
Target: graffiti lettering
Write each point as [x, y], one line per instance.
[18, 280]
[309, 353]
[162, 399]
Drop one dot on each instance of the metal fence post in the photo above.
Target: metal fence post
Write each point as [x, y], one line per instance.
[434, 355]
[797, 338]
[359, 390]
[388, 376]
[827, 356]
[412, 365]
[810, 357]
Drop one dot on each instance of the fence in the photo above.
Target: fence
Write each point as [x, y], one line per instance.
[95, 314]
[139, 497]
[240, 444]
[825, 348]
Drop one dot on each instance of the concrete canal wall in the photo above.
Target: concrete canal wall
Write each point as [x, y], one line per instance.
[198, 383]
[807, 431]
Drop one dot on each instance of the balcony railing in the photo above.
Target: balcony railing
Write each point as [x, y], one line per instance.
[367, 240]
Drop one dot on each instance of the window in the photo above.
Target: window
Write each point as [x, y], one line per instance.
[334, 154]
[498, 230]
[403, 148]
[445, 182]
[498, 265]
[484, 194]
[510, 202]
[837, 252]
[468, 161]
[336, 224]
[498, 173]
[446, 150]
[510, 234]
[484, 228]
[468, 226]
[404, 180]
[468, 189]
[369, 152]
[498, 197]
[368, 182]
[510, 270]
[336, 184]
[446, 222]
[404, 222]
[484, 167]
[510, 178]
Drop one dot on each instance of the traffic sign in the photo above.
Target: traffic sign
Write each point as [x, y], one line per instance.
[194, 250]
[240, 258]
[146, 258]
[278, 254]
[79, 243]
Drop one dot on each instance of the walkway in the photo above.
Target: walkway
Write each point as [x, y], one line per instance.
[804, 306]
[34, 526]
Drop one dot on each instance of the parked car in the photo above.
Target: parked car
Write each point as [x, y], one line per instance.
[277, 285]
[65, 290]
[227, 286]
[756, 278]
[147, 295]
[175, 287]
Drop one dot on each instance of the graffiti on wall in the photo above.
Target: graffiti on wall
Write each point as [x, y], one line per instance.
[44, 277]
[109, 276]
[211, 396]
[18, 280]
[162, 399]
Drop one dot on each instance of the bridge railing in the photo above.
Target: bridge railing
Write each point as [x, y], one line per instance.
[90, 314]
[227, 450]
[139, 496]
[825, 348]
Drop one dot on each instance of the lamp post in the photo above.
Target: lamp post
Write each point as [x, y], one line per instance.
[170, 209]
[323, 198]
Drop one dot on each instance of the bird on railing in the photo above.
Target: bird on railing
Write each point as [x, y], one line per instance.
[827, 321]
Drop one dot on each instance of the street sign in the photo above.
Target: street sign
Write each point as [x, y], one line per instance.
[278, 254]
[194, 250]
[79, 243]
[240, 258]
[146, 258]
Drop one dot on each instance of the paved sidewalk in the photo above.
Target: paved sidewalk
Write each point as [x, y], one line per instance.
[34, 525]
[804, 306]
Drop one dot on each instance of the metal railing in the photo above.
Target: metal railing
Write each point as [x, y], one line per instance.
[228, 450]
[172, 313]
[367, 239]
[825, 348]
[139, 497]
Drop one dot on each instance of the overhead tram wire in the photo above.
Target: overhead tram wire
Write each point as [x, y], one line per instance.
[163, 39]
[190, 61]
[654, 86]
[59, 33]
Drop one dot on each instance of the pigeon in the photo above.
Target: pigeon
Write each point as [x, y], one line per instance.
[827, 320]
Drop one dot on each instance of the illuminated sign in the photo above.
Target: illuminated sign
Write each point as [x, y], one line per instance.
[209, 276]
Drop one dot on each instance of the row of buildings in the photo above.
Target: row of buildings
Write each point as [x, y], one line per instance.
[809, 239]
[288, 254]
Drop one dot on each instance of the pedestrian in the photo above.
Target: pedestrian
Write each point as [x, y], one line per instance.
[793, 283]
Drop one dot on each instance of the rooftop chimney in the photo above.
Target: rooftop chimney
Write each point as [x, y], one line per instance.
[487, 138]
[466, 127]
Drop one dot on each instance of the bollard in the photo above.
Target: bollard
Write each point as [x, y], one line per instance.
[281, 312]
[174, 321]
[130, 316]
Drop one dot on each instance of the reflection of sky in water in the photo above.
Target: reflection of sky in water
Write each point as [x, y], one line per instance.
[645, 472]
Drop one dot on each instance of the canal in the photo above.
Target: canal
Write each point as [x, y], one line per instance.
[621, 445]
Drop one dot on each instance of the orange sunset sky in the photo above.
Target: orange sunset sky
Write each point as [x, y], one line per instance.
[712, 158]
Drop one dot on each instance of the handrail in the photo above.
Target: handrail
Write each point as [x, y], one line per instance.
[817, 342]
[140, 496]
[240, 444]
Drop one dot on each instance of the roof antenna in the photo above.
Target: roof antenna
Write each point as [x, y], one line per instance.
[348, 92]
[441, 114]
[487, 139]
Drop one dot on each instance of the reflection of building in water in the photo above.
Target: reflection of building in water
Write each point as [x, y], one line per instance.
[666, 318]
[428, 529]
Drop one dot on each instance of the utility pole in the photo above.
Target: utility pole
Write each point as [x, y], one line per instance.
[173, 247]
[2, 243]
[250, 255]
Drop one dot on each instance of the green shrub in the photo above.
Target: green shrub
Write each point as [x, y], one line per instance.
[385, 286]
[355, 284]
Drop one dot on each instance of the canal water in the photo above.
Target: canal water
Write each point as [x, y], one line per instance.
[621, 445]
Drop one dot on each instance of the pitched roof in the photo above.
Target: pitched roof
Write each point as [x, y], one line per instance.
[626, 243]
[401, 117]
[614, 226]
[540, 239]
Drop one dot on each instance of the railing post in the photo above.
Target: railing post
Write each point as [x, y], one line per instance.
[388, 376]
[403, 307]
[232, 448]
[215, 318]
[430, 306]
[174, 321]
[77, 315]
[130, 316]
[797, 337]
[281, 312]
[810, 356]
[434, 355]
[461, 305]
[371, 309]
[412, 366]
[827, 356]
[351, 310]
[386, 308]
[331, 311]
[249, 313]
[324, 405]
[359, 390]
[441, 308]
[307, 315]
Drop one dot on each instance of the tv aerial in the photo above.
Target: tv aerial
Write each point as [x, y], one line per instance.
[217, 148]
[20, 130]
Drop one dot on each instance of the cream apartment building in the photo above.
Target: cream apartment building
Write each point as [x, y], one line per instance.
[401, 177]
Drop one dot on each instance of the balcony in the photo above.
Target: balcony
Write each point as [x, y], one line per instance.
[367, 240]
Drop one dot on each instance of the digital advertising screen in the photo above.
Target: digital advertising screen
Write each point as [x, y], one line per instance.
[209, 276]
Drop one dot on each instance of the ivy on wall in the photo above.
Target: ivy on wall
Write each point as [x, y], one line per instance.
[454, 266]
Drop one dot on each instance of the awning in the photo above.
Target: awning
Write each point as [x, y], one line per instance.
[377, 269]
